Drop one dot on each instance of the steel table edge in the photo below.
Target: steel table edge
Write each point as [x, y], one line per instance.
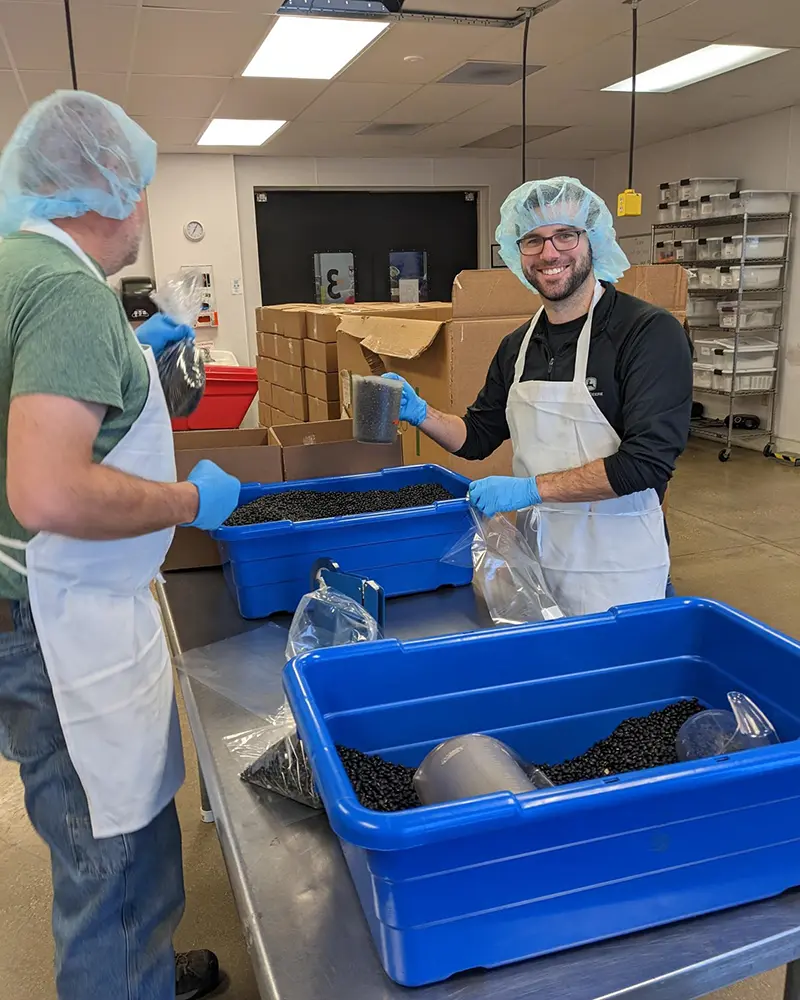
[245, 903]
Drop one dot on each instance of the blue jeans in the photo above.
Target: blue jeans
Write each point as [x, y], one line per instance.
[116, 902]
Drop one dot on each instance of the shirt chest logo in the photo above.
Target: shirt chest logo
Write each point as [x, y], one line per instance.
[591, 385]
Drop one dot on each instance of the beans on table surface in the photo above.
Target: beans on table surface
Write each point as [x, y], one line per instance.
[311, 505]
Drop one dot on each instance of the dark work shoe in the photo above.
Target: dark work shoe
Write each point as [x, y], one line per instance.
[196, 974]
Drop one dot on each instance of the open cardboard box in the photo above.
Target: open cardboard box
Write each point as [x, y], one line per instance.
[327, 448]
[447, 362]
[247, 454]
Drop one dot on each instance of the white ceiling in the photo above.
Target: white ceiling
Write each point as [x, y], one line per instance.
[175, 64]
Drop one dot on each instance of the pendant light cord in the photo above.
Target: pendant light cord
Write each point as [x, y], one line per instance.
[70, 45]
[525, 39]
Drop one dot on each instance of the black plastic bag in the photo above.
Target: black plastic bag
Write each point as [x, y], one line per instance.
[180, 367]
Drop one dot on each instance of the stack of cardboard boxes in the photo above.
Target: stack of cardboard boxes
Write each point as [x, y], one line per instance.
[298, 376]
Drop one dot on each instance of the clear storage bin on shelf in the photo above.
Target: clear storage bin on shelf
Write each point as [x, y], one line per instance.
[709, 248]
[685, 250]
[757, 314]
[702, 312]
[668, 191]
[668, 211]
[753, 276]
[698, 187]
[705, 207]
[702, 277]
[749, 381]
[762, 247]
[725, 204]
[703, 376]
[688, 209]
[665, 252]
[764, 202]
[752, 354]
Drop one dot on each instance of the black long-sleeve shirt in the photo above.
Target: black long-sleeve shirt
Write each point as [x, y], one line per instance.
[639, 373]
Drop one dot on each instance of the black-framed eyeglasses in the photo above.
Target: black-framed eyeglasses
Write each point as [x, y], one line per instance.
[568, 239]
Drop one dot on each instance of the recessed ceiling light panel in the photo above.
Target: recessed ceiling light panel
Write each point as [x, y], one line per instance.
[239, 132]
[300, 47]
[705, 63]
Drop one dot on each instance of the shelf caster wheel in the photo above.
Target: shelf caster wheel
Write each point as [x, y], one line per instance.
[769, 450]
[724, 455]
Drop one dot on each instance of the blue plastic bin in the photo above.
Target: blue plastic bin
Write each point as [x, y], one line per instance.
[504, 877]
[268, 566]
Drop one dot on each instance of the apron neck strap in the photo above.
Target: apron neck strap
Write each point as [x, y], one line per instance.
[45, 228]
[584, 341]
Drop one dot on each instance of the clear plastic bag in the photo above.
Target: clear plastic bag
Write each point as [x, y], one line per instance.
[180, 367]
[505, 571]
[276, 759]
[717, 731]
[274, 754]
[325, 618]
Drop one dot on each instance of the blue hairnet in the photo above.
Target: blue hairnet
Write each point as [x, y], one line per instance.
[560, 200]
[73, 153]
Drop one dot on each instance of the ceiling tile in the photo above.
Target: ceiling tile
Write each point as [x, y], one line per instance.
[172, 131]
[260, 98]
[188, 42]
[112, 86]
[40, 84]
[776, 26]
[230, 6]
[356, 102]
[442, 48]
[36, 34]
[12, 104]
[450, 136]
[438, 102]
[707, 20]
[174, 96]
[103, 38]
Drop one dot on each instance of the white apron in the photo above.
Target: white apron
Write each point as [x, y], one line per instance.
[102, 638]
[594, 555]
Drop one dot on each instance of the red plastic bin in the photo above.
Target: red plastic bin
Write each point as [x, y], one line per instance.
[229, 392]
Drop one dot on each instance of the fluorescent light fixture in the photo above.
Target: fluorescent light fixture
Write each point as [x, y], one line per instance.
[238, 132]
[713, 60]
[300, 47]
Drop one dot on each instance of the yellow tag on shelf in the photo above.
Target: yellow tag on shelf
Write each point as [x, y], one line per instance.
[629, 203]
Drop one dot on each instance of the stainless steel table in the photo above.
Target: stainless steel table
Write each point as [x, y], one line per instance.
[302, 921]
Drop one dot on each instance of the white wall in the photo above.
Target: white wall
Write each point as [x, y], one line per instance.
[765, 153]
[201, 188]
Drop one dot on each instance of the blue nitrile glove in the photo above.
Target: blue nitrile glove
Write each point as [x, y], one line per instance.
[498, 494]
[412, 409]
[160, 331]
[218, 493]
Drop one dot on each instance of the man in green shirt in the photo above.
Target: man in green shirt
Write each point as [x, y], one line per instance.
[87, 511]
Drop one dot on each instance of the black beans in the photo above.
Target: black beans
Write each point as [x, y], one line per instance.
[378, 784]
[308, 505]
[284, 769]
[636, 744]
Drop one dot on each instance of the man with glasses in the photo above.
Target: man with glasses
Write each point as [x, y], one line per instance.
[595, 394]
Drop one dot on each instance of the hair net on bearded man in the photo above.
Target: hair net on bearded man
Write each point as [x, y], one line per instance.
[565, 201]
[73, 153]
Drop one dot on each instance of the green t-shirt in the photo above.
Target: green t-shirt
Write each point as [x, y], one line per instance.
[63, 333]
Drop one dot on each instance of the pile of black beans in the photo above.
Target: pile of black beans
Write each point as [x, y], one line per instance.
[378, 784]
[636, 744]
[308, 505]
[285, 769]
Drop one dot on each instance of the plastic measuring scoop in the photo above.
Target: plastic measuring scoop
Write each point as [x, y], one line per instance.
[718, 731]
[468, 766]
[376, 409]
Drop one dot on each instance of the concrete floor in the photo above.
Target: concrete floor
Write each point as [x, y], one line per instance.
[735, 536]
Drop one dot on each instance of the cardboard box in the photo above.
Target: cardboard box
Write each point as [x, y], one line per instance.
[247, 454]
[290, 377]
[322, 322]
[265, 392]
[267, 344]
[321, 357]
[294, 404]
[311, 451]
[447, 362]
[323, 385]
[279, 418]
[267, 370]
[288, 319]
[264, 415]
[289, 350]
[323, 409]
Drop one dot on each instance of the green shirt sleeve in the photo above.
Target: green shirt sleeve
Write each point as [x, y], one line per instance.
[66, 341]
